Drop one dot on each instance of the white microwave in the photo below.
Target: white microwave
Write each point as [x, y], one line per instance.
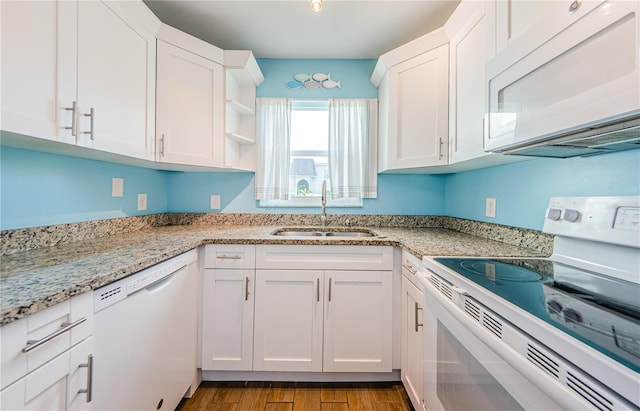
[570, 85]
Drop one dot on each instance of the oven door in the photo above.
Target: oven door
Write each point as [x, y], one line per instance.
[463, 373]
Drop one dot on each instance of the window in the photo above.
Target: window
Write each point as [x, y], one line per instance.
[302, 143]
[309, 158]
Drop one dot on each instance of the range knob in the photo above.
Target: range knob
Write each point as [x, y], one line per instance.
[554, 214]
[572, 316]
[571, 215]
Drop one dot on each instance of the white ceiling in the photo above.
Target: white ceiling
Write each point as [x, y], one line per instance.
[343, 29]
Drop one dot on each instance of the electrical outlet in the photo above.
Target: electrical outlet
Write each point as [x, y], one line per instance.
[490, 207]
[142, 202]
[117, 187]
[214, 202]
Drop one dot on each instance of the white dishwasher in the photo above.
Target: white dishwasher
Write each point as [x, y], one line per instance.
[146, 337]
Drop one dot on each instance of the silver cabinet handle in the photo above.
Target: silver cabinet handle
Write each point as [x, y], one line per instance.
[89, 389]
[246, 288]
[162, 145]
[329, 288]
[417, 324]
[74, 110]
[92, 117]
[318, 290]
[574, 6]
[413, 270]
[440, 155]
[229, 257]
[33, 344]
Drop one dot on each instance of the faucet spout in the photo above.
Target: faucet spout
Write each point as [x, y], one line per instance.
[323, 215]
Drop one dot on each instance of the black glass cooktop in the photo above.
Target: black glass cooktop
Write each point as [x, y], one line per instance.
[601, 311]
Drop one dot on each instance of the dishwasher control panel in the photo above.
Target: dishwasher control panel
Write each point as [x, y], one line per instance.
[119, 290]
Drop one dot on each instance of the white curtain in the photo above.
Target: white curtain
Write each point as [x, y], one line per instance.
[353, 148]
[273, 132]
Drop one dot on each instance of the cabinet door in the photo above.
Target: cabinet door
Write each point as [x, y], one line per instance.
[412, 329]
[116, 61]
[288, 320]
[33, 48]
[42, 389]
[472, 47]
[227, 322]
[357, 321]
[190, 108]
[79, 390]
[418, 110]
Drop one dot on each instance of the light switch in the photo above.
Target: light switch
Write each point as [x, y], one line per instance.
[117, 187]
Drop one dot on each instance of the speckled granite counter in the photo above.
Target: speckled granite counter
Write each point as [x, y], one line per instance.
[36, 279]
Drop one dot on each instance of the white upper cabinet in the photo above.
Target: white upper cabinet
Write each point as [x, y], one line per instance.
[472, 32]
[82, 73]
[206, 103]
[189, 107]
[413, 83]
[116, 78]
[514, 17]
[31, 44]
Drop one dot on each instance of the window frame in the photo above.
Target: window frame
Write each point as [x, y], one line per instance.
[296, 201]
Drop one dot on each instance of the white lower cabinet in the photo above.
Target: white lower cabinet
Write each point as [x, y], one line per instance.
[412, 340]
[312, 320]
[323, 309]
[228, 305]
[55, 372]
[288, 323]
[297, 308]
[357, 321]
[228, 319]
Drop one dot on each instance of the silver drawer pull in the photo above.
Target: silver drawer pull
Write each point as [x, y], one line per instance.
[246, 288]
[413, 270]
[33, 344]
[228, 257]
[89, 389]
[417, 324]
[330, 288]
[318, 290]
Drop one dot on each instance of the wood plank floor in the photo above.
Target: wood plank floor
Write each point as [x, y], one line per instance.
[278, 396]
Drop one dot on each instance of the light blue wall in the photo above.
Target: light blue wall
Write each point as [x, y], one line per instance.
[397, 194]
[353, 75]
[522, 190]
[43, 189]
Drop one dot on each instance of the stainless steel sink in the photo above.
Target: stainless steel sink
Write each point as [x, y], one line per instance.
[324, 233]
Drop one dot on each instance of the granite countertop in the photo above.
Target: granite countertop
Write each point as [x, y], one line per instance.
[33, 280]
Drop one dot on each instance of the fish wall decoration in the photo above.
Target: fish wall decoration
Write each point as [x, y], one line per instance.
[313, 81]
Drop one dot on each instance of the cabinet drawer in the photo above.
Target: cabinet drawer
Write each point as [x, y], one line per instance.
[74, 315]
[324, 257]
[410, 267]
[229, 256]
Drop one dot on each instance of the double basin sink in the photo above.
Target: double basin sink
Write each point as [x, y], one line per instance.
[323, 232]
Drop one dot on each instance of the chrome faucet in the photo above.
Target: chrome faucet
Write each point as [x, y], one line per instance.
[323, 215]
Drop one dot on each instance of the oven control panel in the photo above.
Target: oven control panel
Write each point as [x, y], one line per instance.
[608, 219]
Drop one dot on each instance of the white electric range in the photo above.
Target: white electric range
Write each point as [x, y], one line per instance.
[540, 334]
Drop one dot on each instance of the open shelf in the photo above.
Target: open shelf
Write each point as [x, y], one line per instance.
[240, 108]
[240, 139]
